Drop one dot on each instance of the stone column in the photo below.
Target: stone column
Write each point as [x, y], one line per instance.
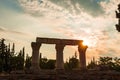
[82, 56]
[59, 56]
[35, 57]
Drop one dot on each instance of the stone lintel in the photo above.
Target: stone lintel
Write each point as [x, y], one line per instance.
[58, 41]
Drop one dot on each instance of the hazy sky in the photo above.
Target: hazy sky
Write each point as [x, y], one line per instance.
[21, 21]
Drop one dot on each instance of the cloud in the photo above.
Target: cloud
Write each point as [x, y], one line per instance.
[5, 30]
[2, 29]
[36, 8]
[84, 24]
[92, 20]
[90, 6]
[19, 38]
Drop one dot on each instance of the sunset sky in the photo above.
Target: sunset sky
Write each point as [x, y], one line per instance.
[93, 21]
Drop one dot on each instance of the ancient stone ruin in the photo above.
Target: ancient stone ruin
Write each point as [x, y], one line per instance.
[59, 46]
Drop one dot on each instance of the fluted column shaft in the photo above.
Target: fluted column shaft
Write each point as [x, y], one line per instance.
[59, 56]
[82, 56]
[35, 56]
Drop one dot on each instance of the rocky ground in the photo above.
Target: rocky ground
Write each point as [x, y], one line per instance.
[71, 75]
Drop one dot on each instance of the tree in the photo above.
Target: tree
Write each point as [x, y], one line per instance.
[106, 63]
[92, 64]
[116, 64]
[67, 66]
[4, 55]
[8, 59]
[43, 63]
[20, 60]
[28, 62]
[72, 63]
[50, 64]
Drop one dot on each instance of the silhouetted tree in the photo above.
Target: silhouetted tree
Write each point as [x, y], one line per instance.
[13, 50]
[28, 62]
[67, 66]
[43, 63]
[106, 63]
[116, 64]
[47, 63]
[4, 55]
[92, 64]
[51, 64]
[8, 59]
[72, 63]
[20, 60]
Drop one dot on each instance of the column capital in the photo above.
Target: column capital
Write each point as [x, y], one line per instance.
[35, 45]
[82, 48]
[59, 47]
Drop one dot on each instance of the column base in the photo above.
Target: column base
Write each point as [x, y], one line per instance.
[59, 71]
[17, 72]
[80, 69]
[35, 70]
[83, 69]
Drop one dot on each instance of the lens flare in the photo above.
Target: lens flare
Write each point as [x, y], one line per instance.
[86, 43]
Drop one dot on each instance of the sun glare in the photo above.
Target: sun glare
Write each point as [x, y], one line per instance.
[89, 41]
[86, 43]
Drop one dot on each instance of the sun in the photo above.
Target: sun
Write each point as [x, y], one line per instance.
[86, 43]
[91, 41]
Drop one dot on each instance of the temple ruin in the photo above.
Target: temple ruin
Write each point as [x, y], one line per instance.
[59, 46]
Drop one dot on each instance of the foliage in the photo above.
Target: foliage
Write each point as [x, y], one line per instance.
[116, 64]
[72, 63]
[28, 62]
[8, 59]
[47, 64]
[106, 63]
[92, 64]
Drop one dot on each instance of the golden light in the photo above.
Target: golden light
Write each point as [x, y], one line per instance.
[89, 41]
[86, 43]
